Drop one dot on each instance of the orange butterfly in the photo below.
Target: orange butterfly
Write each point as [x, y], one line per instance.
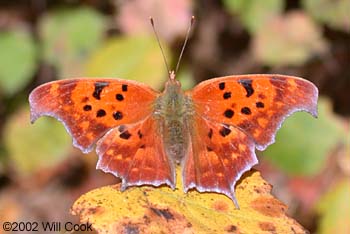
[211, 130]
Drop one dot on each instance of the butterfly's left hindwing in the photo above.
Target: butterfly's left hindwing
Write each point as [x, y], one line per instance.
[135, 153]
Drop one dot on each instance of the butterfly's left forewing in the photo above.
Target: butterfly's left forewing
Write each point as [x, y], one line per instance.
[90, 107]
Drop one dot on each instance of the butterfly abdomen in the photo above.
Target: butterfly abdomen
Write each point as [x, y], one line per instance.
[175, 139]
[171, 114]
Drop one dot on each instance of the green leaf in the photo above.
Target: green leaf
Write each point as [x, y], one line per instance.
[34, 146]
[334, 208]
[69, 36]
[136, 58]
[290, 39]
[303, 143]
[186, 78]
[18, 60]
[254, 13]
[333, 13]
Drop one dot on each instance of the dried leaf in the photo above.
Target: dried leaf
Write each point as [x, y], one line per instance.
[161, 210]
[171, 17]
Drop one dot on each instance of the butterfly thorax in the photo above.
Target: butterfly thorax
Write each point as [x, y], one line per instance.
[171, 112]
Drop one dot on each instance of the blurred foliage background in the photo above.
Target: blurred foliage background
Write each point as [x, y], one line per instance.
[41, 174]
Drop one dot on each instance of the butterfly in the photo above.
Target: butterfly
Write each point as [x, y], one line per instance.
[141, 134]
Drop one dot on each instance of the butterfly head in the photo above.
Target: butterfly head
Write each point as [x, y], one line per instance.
[172, 76]
[172, 81]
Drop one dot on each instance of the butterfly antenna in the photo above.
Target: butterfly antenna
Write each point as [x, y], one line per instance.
[160, 46]
[185, 42]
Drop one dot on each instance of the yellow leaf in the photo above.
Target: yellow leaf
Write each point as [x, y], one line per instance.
[334, 208]
[161, 210]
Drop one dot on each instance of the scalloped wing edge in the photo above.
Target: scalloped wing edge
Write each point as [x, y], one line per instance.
[312, 110]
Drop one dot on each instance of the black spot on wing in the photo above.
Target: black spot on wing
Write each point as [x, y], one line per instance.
[140, 134]
[224, 131]
[222, 85]
[99, 86]
[100, 113]
[210, 133]
[227, 95]
[119, 97]
[260, 105]
[247, 85]
[246, 110]
[229, 113]
[87, 108]
[125, 135]
[117, 115]
[124, 87]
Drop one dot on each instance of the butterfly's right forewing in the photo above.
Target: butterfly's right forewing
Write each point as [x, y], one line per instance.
[256, 104]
